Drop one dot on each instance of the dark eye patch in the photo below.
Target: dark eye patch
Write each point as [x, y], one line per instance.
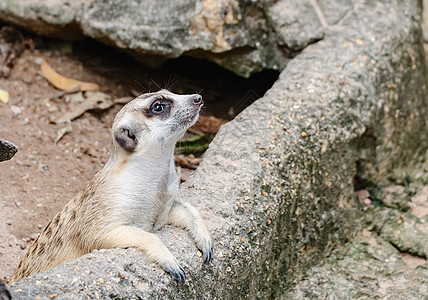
[160, 107]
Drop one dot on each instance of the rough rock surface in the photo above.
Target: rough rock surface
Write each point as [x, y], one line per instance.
[387, 260]
[276, 185]
[244, 36]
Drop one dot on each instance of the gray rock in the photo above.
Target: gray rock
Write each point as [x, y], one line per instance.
[334, 11]
[4, 293]
[276, 184]
[290, 20]
[7, 150]
[52, 18]
[368, 268]
[387, 260]
[243, 36]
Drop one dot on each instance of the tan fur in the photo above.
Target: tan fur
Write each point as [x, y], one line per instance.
[112, 211]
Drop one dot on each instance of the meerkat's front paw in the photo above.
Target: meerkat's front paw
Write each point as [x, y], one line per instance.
[205, 246]
[174, 269]
[207, 255]
[177, 274]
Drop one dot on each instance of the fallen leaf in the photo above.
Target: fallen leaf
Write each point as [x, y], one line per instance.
[208, 124]
[64, 83]
[4, 96]
[186, 161]
[91, 100]
[62, 132]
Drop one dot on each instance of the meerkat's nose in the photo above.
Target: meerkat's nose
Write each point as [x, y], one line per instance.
[197, 100]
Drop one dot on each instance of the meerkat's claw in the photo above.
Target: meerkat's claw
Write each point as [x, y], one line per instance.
[207, 255]
[177, 275]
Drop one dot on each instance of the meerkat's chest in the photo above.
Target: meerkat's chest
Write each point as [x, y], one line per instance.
[142, 196]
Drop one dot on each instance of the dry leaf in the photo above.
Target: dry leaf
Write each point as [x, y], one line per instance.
[208, 124]
[64, 83]
[187, 162]
[91, 100]
[4, 96]
[62, 132]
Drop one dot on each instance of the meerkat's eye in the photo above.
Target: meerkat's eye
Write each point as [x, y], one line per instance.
[158, 107]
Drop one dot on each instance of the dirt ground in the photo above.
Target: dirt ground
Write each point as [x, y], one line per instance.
[44, 175]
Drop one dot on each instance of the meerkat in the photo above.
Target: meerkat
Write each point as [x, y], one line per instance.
[135, 193]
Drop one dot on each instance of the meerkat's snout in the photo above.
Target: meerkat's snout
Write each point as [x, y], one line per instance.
[197, 100]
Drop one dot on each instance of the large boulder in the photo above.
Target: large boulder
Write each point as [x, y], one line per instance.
[243, 36]
[277, 184]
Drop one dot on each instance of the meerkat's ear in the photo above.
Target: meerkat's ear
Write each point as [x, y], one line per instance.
[126, 137]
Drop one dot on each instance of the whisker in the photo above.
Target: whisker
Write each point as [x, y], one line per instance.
[147, 85]
[144, 88]
[158, 86]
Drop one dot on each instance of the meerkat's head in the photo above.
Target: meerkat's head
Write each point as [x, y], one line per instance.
[155, 118]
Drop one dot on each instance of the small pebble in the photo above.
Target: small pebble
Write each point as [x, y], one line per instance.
[9, 222]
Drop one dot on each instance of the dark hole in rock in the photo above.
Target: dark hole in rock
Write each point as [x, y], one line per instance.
[224, 93]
